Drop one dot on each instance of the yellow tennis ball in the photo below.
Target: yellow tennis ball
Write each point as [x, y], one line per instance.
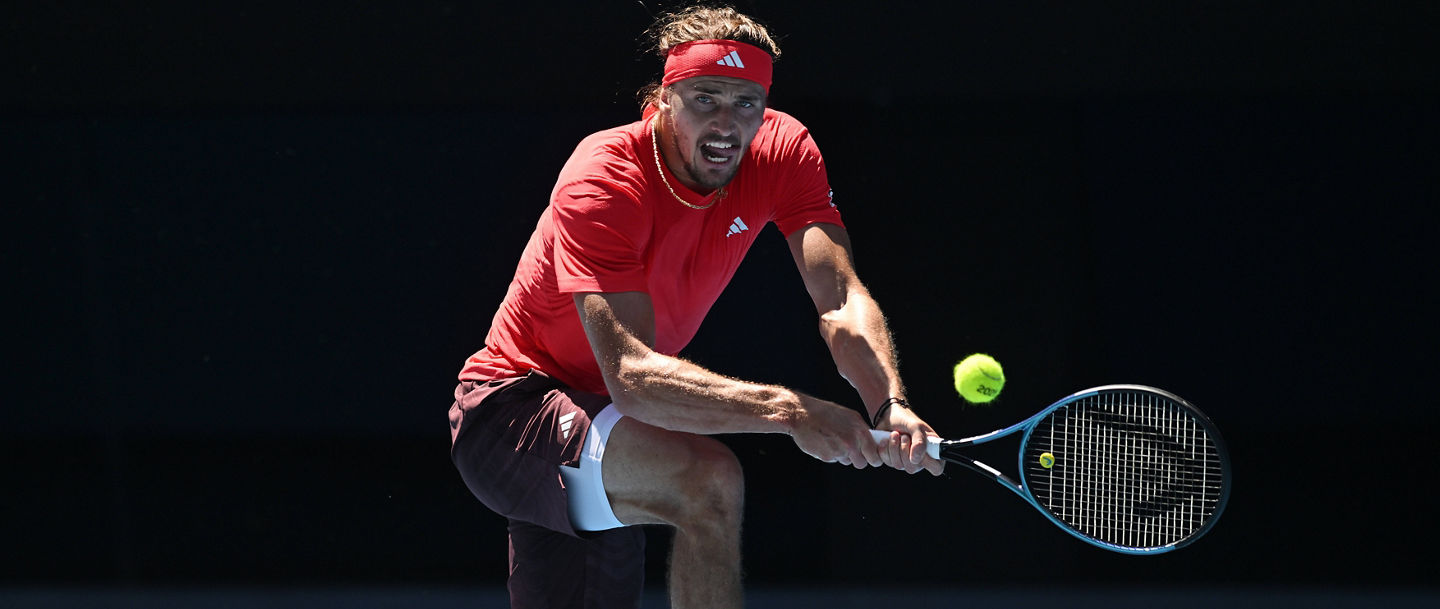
[1047, 460]
[979, 378]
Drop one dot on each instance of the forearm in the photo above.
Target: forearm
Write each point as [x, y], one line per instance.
[670, 392]
[676, 394]
[860, 343]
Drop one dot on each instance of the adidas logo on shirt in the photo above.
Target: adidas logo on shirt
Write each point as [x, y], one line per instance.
[738, 226]
[566, 422]
[732, 60]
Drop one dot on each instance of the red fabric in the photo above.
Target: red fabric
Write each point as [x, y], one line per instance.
[718, 58]
[613, 226]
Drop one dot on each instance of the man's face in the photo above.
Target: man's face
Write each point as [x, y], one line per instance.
[711, 121]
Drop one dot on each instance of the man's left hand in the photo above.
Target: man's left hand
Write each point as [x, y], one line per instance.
[905, 450]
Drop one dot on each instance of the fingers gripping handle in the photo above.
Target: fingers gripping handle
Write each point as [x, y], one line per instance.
[932, 445]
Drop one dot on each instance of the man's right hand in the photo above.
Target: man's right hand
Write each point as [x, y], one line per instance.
[834, 434]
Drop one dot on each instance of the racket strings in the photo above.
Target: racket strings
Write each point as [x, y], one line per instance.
[1132, 469]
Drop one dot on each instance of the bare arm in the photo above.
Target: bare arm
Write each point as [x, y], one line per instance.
[675, 394]
[854, 328]
[850, 320]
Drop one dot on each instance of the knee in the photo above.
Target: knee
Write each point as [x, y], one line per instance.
[712, 485]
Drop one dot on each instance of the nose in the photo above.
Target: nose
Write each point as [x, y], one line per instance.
[723, 121]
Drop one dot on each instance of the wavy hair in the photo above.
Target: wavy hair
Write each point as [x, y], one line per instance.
[702, 22]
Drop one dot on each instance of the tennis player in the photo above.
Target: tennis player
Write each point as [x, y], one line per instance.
[577, 420]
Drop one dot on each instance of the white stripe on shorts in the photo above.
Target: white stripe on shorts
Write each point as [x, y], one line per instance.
[589, 507]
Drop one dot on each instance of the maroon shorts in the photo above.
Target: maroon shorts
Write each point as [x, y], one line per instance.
[508, 439]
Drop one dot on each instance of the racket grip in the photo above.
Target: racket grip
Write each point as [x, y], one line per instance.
[932, 444]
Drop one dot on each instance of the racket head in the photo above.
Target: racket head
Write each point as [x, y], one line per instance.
[1128, 468]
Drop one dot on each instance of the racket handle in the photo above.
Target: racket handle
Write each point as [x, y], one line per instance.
[932, 446]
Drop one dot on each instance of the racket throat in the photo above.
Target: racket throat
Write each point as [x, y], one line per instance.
[987, 471]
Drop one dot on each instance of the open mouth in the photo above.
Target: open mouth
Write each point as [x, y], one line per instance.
[718, 152]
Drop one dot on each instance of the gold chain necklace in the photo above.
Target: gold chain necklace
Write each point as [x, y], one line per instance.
[655, 146]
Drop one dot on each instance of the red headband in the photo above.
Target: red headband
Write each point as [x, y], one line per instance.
[718, 58]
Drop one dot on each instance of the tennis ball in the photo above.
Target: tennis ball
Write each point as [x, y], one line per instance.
[979, 378]
[1047, 460]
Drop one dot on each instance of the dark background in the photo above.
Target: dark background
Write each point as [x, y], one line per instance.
[248, 246]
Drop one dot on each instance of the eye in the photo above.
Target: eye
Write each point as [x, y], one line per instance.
[704, 99]
[745, 103]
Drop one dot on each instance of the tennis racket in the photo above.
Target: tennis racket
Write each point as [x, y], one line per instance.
[1127, 468]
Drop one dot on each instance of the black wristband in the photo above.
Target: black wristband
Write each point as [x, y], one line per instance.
[875, 423]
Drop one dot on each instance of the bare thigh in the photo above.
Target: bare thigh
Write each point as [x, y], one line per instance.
[658, 476]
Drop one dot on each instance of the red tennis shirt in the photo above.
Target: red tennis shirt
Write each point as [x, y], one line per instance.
[613, 226]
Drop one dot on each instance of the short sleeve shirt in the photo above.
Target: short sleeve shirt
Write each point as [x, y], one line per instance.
[612, 225]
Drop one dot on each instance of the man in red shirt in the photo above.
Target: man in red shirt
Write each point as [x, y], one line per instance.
[577, 421]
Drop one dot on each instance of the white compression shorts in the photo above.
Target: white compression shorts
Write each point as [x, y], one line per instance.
[584, 485]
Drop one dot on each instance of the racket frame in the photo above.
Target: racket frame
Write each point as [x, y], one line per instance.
[949, 450]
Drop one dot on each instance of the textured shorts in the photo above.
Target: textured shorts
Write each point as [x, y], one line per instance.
[509, 438]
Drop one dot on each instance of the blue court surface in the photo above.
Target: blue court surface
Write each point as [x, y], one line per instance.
[770, 598]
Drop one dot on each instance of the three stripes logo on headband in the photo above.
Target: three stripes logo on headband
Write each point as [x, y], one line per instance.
[732, 60]
[717, 58]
